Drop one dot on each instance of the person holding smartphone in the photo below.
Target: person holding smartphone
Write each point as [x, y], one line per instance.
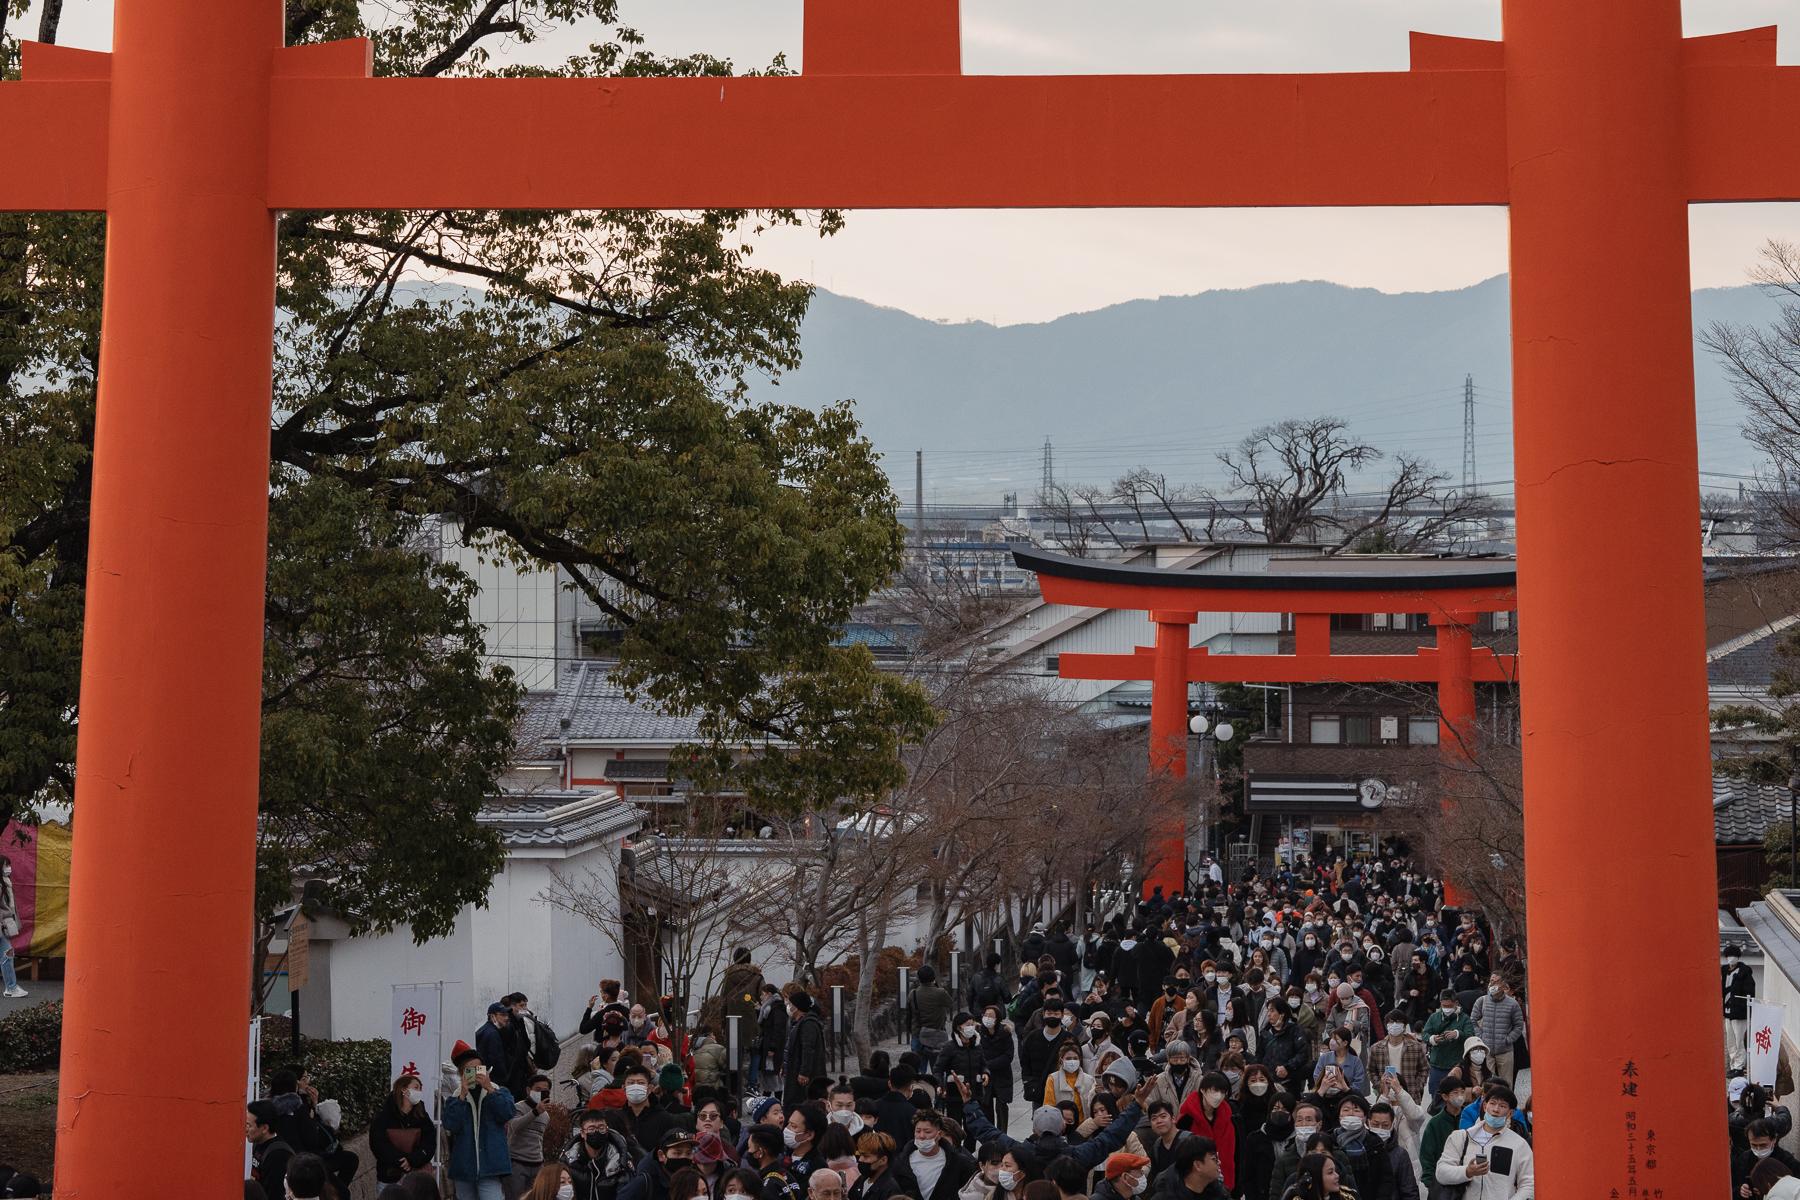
[1491, 1158]
[475, 1120]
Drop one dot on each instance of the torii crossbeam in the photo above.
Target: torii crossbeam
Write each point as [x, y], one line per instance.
[1596, 123]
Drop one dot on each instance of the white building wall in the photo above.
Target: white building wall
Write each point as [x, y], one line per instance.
[516, 608]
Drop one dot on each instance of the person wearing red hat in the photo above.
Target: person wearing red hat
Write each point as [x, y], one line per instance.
[475, 1121]
[1127, 1175]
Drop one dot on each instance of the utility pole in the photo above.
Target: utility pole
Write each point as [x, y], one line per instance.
[919, 503]
[1468, 485]
[1048, 486]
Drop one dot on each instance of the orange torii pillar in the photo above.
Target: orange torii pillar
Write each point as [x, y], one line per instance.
[1597, 123]
[1172, 665]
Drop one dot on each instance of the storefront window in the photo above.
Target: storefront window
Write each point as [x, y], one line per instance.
[1421, 731]
[1326, 731]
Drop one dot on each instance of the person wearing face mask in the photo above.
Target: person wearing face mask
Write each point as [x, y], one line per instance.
[1070, 1082]
[1452, 1096]
[1476, 1067]
[1260, 1100]
[402, 1137]
[647, 1119]
[997, 1049]
[1444, 1033]
[964, 1057]
[1364, 1153]
[552, 1182]
[1401, 1053]
[1126, 1175]
[475, 1122]
[1308, 1125]
[930, 1167]
[1307, 958]
[673, 1153]
[1501, 1023]
[1761, 1144]
[1491, 1158]
[525, 1133]
[1041, 1046]
[1180, 1077]
[804, 1056]
[765, 1151]
[1382, 1127]
[1207, 1114]
[1284, 1047]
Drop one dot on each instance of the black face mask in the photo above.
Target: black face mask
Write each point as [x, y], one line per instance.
[594, 1138]
[1280, 1126]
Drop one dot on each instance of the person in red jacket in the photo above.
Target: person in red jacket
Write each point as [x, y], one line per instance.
[1207, 1112]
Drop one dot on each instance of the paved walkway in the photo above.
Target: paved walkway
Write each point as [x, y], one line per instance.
[40, 990]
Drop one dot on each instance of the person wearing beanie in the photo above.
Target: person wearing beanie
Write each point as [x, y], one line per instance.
[474, 1123]
[804, 1059]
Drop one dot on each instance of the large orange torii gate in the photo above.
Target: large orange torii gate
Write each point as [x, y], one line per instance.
[1596, 123]
[1450, 593]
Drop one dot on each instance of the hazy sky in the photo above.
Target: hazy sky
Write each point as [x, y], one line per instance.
[1027, 266]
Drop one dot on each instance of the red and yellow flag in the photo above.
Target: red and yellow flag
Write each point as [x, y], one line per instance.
[39, 855]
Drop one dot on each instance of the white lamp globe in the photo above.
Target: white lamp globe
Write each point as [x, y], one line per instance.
[1197, 723]
[1224, 731]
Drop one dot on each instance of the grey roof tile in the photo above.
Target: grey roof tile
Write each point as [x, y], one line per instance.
[598, 710]
[1743, 811]
[558, 818]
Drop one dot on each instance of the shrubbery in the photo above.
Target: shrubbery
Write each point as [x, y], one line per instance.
[31, 1038]
[355, 1074]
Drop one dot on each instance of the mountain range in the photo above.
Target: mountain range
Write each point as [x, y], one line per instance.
[1166, 383]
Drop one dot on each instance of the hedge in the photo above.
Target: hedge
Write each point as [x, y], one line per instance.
[31, 1038]
[355, 1074]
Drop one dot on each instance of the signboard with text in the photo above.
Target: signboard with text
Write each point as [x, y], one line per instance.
[415, 1033]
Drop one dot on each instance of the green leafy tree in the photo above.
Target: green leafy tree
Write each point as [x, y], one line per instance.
[585, 405]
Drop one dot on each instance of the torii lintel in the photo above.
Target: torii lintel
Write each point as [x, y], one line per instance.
[883, 118]
[1486, 666]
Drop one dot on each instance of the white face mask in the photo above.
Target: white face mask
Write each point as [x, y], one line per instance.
[636, 1093]
[1494, 990]
[416, 1095]
[1209, 976]
[1764, 1152]
[1258, 1087]
[1137, 1189]
[788, 1136]
[1383, 1134]
[1008, 1180]
[1215, 1098]
[1071, 1065]
[990, 1022]
[1478, 1057]
[968, 1031]
[1068, 1020]
[1353, 1122]
[1302, 1132]
[566, 1192]
[926, 1146]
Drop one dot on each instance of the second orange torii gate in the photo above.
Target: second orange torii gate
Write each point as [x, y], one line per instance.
[1451, 595]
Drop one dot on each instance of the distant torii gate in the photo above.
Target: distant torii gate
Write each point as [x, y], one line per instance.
[1595, 123]
[1450, 593]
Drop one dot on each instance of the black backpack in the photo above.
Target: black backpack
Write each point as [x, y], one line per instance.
[546, 1049]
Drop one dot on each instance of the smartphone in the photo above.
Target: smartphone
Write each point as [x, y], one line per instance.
[1391, 1071]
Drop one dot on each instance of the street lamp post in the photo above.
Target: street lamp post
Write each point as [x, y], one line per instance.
[1793, 814]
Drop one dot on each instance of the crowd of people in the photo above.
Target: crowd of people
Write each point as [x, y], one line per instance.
[1329, 1031]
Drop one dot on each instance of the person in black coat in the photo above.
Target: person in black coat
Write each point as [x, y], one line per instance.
[1039, 1047]
[930, 1142]
[804, 1058]
[1032, 948]
[895, 1110]
[1154, 960]
[875, 1167]
[988, 986]
[402, 1137]
[963, 1057]
[771, 1033]
[1061, 947]
[998, 1049]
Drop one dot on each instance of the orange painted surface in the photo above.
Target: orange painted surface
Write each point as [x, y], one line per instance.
[1484, 667]
[1090, 594]
[1597, 123]
[1615, 717]
[1168, 748]
[161, 893]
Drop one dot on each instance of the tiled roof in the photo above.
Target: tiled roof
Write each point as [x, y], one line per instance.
[557, 818]
[597, 710]
[1743, 811]
[1749, 661]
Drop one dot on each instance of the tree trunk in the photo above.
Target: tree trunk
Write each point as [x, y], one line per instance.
[47, 23]
[861, 1040]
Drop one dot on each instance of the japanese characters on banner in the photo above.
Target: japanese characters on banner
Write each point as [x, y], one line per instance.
[416, 1032]
[1764, 1050]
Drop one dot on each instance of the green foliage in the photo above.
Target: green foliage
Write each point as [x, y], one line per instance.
[31, 1038]
[586, 408]
[1248, 706]
[354, 1073]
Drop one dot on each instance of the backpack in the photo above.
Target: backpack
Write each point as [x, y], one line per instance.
[546, 1047]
